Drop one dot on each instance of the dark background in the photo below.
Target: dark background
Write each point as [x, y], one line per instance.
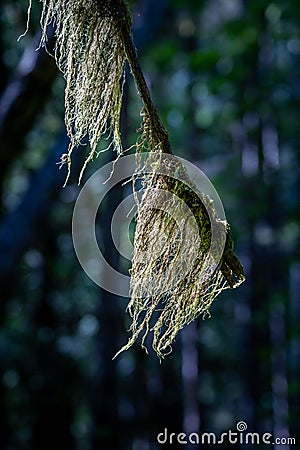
[225, 77]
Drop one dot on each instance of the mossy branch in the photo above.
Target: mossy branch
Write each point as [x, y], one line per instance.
[159, 131]
[93, 43]
[201, 284]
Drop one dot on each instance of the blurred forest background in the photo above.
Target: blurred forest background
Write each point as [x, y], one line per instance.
[225, 77]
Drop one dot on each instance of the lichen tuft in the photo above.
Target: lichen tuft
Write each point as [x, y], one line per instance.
[91, 57]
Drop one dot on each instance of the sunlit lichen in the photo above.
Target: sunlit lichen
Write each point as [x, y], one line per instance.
[91, 56]
[183, 254]
[169, 289]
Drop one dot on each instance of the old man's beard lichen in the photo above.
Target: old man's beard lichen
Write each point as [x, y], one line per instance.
[183, 255]
[178, 266]
[91, 57]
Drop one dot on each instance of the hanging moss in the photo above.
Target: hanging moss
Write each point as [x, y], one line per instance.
[183, 253]
[91, 57]
[183, 256]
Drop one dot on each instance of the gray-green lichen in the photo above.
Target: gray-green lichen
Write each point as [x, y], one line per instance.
[178, 266]
[91, 57]
[183, 258]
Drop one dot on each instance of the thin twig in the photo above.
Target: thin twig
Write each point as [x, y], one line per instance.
[120, 12]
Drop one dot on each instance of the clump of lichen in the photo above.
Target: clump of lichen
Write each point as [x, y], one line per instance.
[183, 253]
[91, 56]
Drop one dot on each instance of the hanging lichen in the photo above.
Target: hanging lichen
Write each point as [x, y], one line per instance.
[91, 56]
[183, 253]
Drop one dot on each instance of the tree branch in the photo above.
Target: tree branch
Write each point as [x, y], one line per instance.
[120, 13]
